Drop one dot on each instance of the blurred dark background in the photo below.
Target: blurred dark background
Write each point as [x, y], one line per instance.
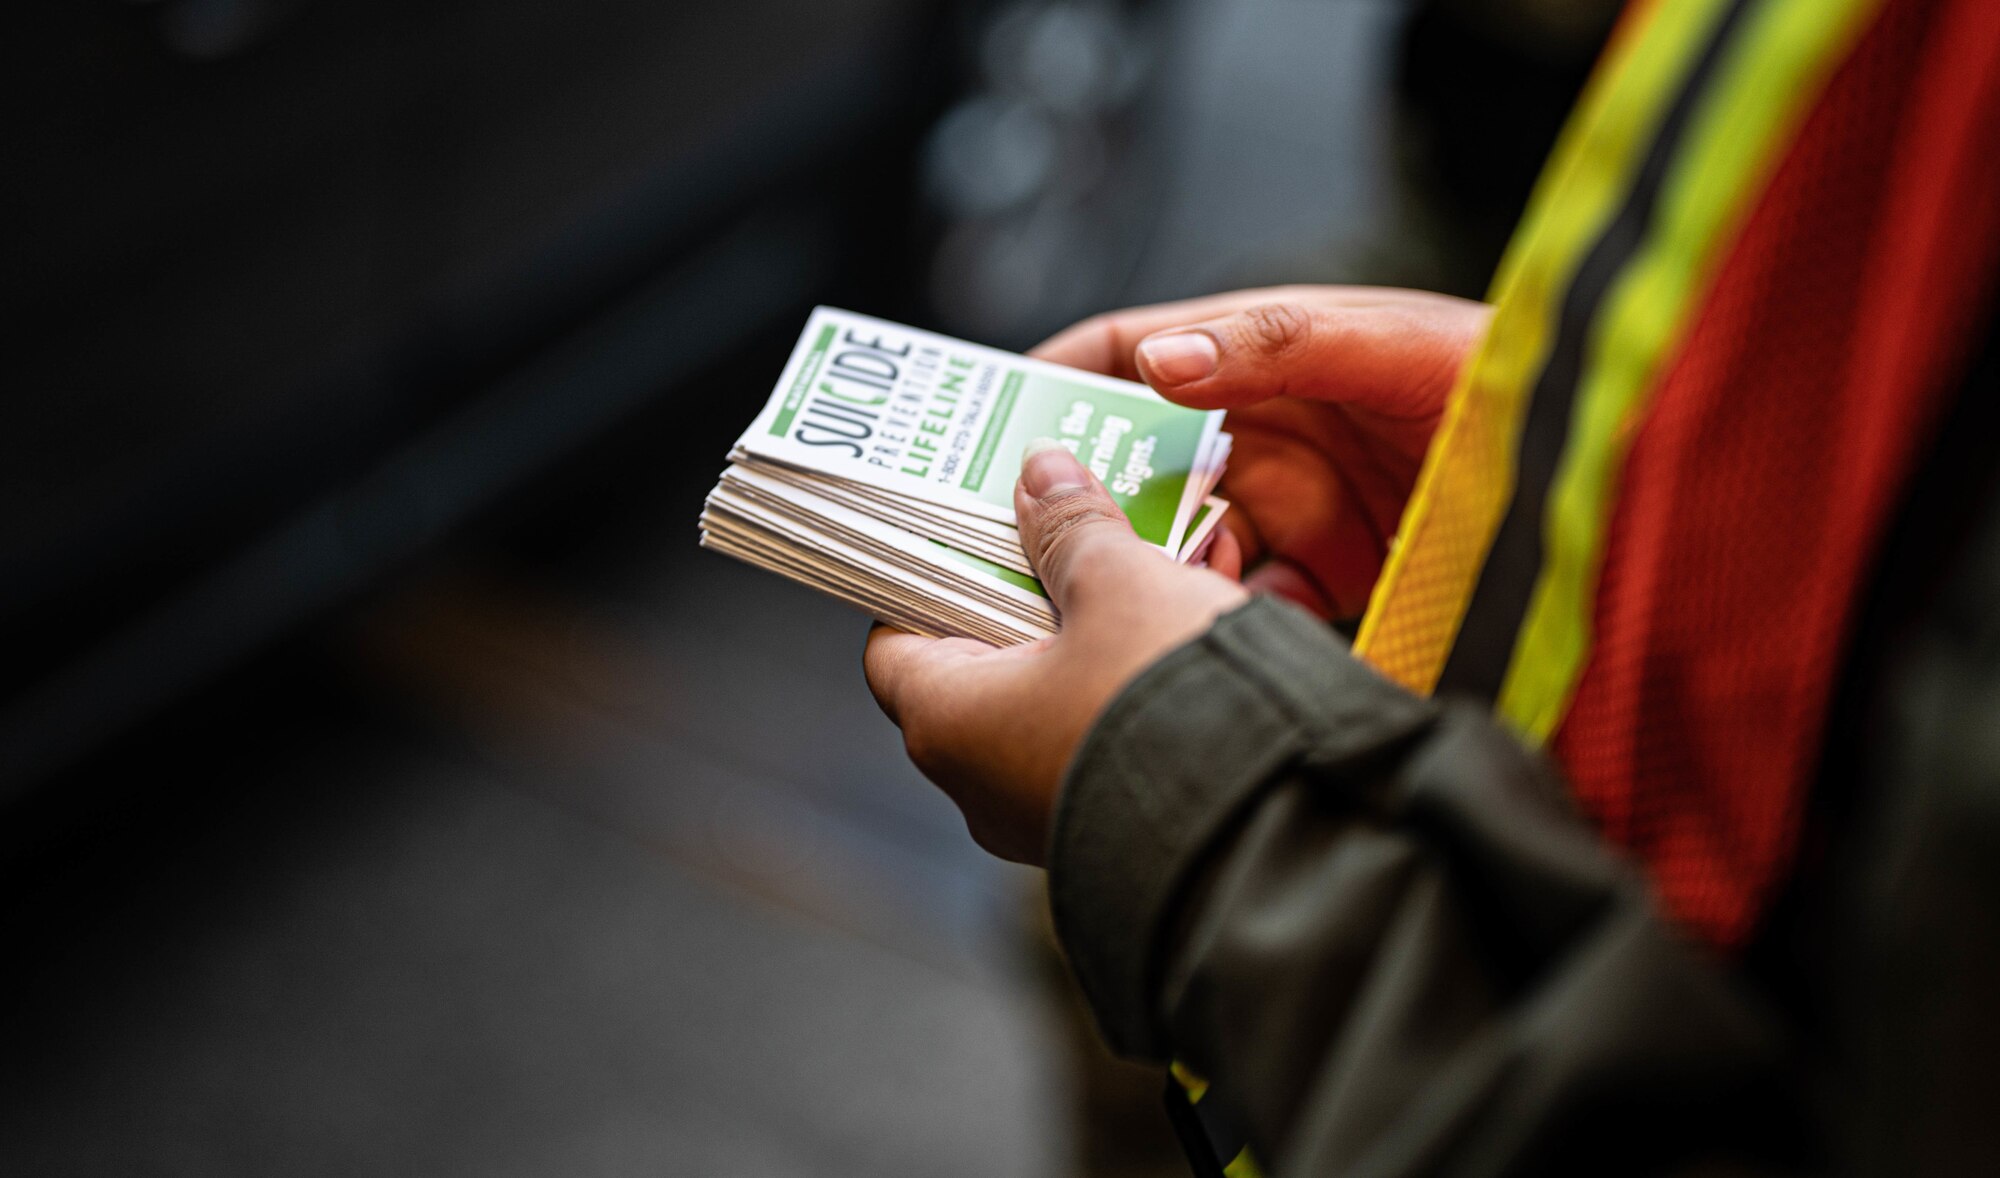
[387, 783]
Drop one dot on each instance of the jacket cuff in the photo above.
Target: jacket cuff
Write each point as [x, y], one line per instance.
[1168, 767]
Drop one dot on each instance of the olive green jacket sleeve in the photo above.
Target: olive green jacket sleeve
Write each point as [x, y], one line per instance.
[1374, 924]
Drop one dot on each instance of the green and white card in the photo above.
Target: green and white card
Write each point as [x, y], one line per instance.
[943, 421]
[881, 472]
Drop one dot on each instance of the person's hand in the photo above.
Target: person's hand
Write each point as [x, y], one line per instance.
[997, 727]
[1333, 394]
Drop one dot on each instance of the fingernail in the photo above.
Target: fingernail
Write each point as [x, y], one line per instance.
[1047, 466]
[1180, 358]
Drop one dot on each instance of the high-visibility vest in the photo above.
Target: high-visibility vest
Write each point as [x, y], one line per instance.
[1734, 311]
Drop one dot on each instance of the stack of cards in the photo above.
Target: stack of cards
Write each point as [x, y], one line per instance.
[882, 471]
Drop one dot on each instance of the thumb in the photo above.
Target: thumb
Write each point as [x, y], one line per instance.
[1071, 529]
[1397, 356]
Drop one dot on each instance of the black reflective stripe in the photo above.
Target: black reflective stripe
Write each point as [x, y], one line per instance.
[1485, 644]
[1202, 1140]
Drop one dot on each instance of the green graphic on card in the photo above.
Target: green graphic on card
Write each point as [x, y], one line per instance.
[943, 420]
[1127, 442]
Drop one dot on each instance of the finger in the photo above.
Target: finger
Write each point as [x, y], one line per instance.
[1225, 554]
[904, 669]
[1291, 582]
[1396, 357]
[1241, 529]
[1105, 343]
[889, 663]
[1071, 529]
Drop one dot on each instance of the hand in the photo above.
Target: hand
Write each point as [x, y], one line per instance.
[996, 727]
[1333, 393]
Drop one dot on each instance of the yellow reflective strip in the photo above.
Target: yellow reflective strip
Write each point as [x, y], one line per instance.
[1242, 1166]
[1468, 475]
[1768, 77]
[1193, 1085]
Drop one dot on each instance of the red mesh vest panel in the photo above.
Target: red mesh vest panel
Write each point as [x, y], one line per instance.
[1759, 484]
